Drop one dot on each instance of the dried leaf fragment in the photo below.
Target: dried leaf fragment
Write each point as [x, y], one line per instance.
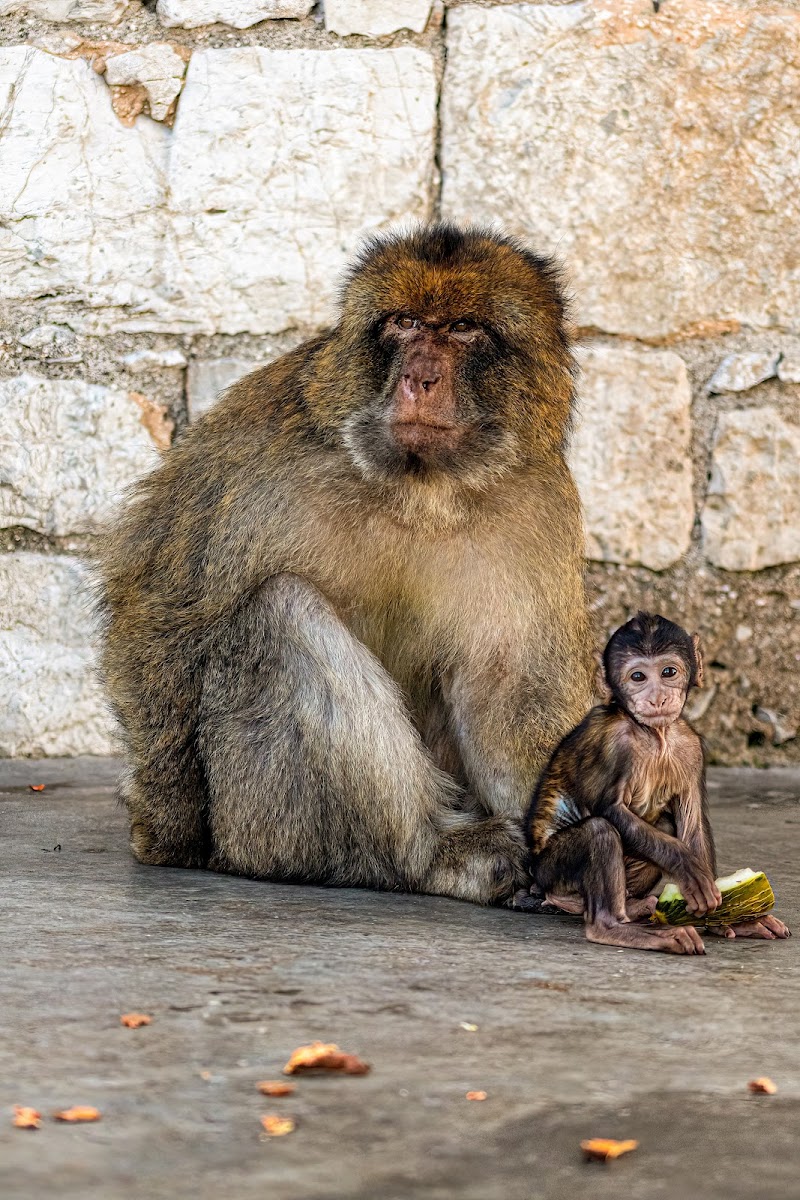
[277, 1126]
[477, 1095]
[134, 1020]
[763, 1086]
[79, 1112]
[322, 1056]
[36, 787]
[26, 1118]
[275, 1087]
[604, 1149]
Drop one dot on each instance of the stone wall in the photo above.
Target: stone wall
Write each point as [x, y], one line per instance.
[181, 182]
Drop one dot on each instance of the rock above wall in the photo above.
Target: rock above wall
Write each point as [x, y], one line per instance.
[653, 151]
[631, 455]
[68, 450]
[241, 218]
[68, 10]
[751, 517]
[52, 702]
[239, 13]
[376, 18]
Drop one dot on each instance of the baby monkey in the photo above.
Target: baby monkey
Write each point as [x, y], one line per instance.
[623, 800]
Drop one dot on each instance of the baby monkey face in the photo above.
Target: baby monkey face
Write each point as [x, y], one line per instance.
[654, 687]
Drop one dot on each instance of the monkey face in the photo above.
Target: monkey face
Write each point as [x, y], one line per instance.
[429, 414]
[649, 665]
[654, 688]
[454, 343]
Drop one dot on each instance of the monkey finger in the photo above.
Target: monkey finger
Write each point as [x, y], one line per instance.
[691, 941]
[723, 931]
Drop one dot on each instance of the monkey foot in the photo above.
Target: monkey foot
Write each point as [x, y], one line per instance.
[768, 928]
[683, 939]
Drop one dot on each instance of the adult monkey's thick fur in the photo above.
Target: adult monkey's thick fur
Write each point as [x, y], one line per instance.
[341, 647]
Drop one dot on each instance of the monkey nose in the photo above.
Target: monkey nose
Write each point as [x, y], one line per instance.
[423, 381]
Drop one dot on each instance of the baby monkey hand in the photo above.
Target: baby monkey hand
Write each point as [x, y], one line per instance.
[697, 884]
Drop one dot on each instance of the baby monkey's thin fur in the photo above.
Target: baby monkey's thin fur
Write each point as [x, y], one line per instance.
[623, 799]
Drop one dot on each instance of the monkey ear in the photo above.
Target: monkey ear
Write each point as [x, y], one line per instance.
[699, 672]
[600, 681]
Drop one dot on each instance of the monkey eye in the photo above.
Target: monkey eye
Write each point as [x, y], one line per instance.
[406, 321]
[669, 672]
[462, 326]
[637, 676]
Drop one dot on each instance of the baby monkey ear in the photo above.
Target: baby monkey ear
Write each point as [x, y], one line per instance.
[600, 682]
[699, 673]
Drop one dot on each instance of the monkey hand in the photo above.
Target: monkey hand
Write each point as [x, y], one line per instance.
[697, 884]
[767, 927]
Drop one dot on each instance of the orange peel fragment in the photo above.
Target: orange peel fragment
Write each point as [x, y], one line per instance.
[134, 1020]
[277, 1126]
[605, 1149]
[763, 1086]
[276, 1087]
[26, 1118]
[79, 1112]
[477, 1095]
[322, 1056]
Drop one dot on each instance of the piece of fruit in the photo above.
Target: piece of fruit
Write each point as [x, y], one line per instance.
[762, 1086]
[322, 1056]
[79, 1112]
[26, 1118]
[277, 1126]
[134, 1020]
[605, 1149]
[476, 1095]
[275, 1087]
[745, 895]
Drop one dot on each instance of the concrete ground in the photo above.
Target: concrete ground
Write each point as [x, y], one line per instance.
[572, 1040]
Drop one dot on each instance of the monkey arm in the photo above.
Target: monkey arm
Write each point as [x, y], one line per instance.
[693, 825]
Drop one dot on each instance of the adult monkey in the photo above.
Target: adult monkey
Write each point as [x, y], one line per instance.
[345, 621]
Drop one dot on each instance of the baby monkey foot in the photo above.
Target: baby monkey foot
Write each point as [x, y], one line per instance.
[679, 939]
[767, 928]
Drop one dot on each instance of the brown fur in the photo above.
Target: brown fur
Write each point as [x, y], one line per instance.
[291, 609]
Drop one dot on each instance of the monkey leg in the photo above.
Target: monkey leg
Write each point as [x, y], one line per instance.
[316, 772]
[588, 858]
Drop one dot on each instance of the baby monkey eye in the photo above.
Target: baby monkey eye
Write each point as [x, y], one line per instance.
[637, 676]
[404, 321]
[669, 672]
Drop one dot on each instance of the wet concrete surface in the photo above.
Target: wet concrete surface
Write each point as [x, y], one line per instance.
[573, 1040]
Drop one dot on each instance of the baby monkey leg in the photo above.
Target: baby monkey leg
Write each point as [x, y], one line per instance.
[589, 858]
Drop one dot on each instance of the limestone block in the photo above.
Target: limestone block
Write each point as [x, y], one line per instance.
[654, 151]
[80, 195]
[281, 160]
[206, 379]
[376, 18]
[68, 450]
[156, 67]
[52, 701]
[740, 372]
[68, 10]
[631, 455]
[238, 13]
[239, 219]
[751, 517]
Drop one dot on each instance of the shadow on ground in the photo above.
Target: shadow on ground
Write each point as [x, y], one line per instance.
[573, 1040]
